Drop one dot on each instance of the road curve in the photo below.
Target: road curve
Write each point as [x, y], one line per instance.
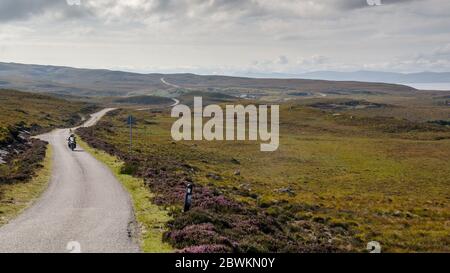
[83, 203]
[175, 103]
[169, 84]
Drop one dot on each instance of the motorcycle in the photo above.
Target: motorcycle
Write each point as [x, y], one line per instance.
[72, 144]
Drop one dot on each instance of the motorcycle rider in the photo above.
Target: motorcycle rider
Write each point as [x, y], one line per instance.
[71, 139]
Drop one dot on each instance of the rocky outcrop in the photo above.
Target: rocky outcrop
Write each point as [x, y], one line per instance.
[20, 155]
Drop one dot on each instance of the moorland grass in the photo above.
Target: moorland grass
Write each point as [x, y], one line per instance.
[15, 197]
[389, 186]
[38, 112]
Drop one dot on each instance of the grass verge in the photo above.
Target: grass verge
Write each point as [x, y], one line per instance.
[16, 197]
[151, 218]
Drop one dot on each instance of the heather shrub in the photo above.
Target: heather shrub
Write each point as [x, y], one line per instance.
[23, 165]
[198, 216]
[216, 222]
[129, 168]
[206, 249]
[202, 234]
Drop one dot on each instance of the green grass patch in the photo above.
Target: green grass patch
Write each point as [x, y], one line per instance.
[151, 218]
[16, 197]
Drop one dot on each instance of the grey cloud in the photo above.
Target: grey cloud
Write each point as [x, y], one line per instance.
[355, 4]
[282, 60]
[13, 10]
[233, 32]
[19, 9]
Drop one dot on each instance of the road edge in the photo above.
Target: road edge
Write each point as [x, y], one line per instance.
[150, 219]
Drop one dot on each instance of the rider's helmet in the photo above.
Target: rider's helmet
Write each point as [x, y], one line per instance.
[72, 135]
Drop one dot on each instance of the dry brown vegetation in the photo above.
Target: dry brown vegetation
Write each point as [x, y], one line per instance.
[339, 180]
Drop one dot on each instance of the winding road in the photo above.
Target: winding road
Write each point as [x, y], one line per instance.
[169, 84]
[84, 205]
[175, 103]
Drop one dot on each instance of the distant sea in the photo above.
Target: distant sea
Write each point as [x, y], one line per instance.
[445, 86]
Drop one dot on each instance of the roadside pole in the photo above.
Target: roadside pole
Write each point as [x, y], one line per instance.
[130, 121]
[131, 137]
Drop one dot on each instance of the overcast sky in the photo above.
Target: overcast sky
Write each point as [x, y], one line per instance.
[228, 36]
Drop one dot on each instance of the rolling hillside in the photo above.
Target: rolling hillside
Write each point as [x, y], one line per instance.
[37, 113]
[98, 82]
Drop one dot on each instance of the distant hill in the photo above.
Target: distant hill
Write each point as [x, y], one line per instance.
[374, 76]
[74, 81]
[148, 100]
[101, 82]
[207, 97]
